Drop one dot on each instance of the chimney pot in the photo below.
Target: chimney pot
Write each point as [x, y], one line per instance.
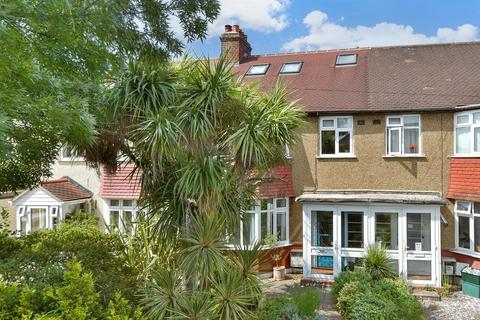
[228, 28]
[236, 28]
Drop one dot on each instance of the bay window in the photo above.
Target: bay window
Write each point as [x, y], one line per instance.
[467, 133]
[467, 225]
[336, 136]
[403, 135]
[267, 216]
[122, 214]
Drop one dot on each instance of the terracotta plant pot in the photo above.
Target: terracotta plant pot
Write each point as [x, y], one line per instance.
[278, 273]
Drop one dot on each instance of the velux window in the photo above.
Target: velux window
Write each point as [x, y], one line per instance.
[291, 67]
[403, 135]
[336, 136]
[346, 59]
[468, 225]
[258, 69]
[467, 133]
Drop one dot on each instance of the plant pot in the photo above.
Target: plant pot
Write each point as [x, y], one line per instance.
[278, 273]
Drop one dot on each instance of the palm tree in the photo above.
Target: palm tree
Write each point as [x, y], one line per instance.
[201, 141]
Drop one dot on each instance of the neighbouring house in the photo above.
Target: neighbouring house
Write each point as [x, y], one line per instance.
[389, 154]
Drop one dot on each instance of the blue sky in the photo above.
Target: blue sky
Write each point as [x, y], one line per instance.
[276, 26]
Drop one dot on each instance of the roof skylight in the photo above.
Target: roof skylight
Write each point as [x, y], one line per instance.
[258, 69]
[346, 59]
[291, 67]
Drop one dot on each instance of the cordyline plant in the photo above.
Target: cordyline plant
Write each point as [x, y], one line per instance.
[201, 142]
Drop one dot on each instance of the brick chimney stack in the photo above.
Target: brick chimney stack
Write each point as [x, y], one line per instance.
[234, 44]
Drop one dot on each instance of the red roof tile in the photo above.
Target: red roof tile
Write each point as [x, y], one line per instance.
[66, 189]
[278, 183]
[464, 179]
[403, 78]
[123, 184]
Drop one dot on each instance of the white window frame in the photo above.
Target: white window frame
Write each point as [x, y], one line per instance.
[471, 214]
[249, 71]
[272, 211]
[471, 125]
[121, 208]
[71, 158]
[401, 128]
[335, 128]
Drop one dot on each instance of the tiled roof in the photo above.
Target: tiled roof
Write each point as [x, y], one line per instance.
[464, 179]
[402, 78]
[66, 189]
[123, 184]
[278, 183]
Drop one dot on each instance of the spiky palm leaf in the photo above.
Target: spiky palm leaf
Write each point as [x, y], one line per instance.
[378, 263]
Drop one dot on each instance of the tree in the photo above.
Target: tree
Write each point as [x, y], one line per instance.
[56, 56]
[201, 142]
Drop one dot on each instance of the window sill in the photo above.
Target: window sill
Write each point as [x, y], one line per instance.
[234, 247]
[404, 156]
[464, 156]
[466, 252]
[337, 156]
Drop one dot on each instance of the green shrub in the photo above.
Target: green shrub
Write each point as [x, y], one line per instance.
[348, 295]
[378, 263]
[274, 308]
[348, 276]
[306, 301]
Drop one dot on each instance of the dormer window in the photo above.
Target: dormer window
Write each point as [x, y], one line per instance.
[258, 69]
[346, 59]
[291, 67]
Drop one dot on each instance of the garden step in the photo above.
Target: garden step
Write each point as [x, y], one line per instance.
[427, 295]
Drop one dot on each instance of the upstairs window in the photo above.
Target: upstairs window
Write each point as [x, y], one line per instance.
[258, 69]
[336, 136]
[291, 67]
[69, 154]
[346, 59]
[403, 135]
[467, 133]
[122, 214]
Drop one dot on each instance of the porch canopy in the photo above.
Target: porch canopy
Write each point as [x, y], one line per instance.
[373, 196]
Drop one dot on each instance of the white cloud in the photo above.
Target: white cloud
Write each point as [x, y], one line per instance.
[323, 34]
[259, 15]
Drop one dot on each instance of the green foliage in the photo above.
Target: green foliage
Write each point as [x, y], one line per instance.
[378, 263]
[41, 258]
[74, 298]
[358, 297]
[55, 58]
[301, 304]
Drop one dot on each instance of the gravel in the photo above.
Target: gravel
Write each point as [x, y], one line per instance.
[456, 307]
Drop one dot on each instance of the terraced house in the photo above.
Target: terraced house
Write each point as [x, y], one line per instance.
[390, 154]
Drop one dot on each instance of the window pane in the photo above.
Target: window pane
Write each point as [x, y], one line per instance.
[281, 203]
[411, 121]
[386, 230]
[346, 59]
[418, 232]
[128, 221]
[39, 218]
[344, 142]
[258, 69]
[322, 228]
[23, 224]
[127, 203]
[249, 229]
[344, 123]
[349, 263]
[476, 139]
[411, 141]
[352, 229]
[328, 123]
[291, 67]
[463, 206]
[419, 270]
[476, 207]
[394, 140]
[114, 219]
[328, 142]
[462, 140]
[114, 203]
[464, 232]
[263, 224]
[266, 204]
[322, 264]
[476, 232]
[476, 118]
[281, 226]
[394, 121]
[463, 119]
